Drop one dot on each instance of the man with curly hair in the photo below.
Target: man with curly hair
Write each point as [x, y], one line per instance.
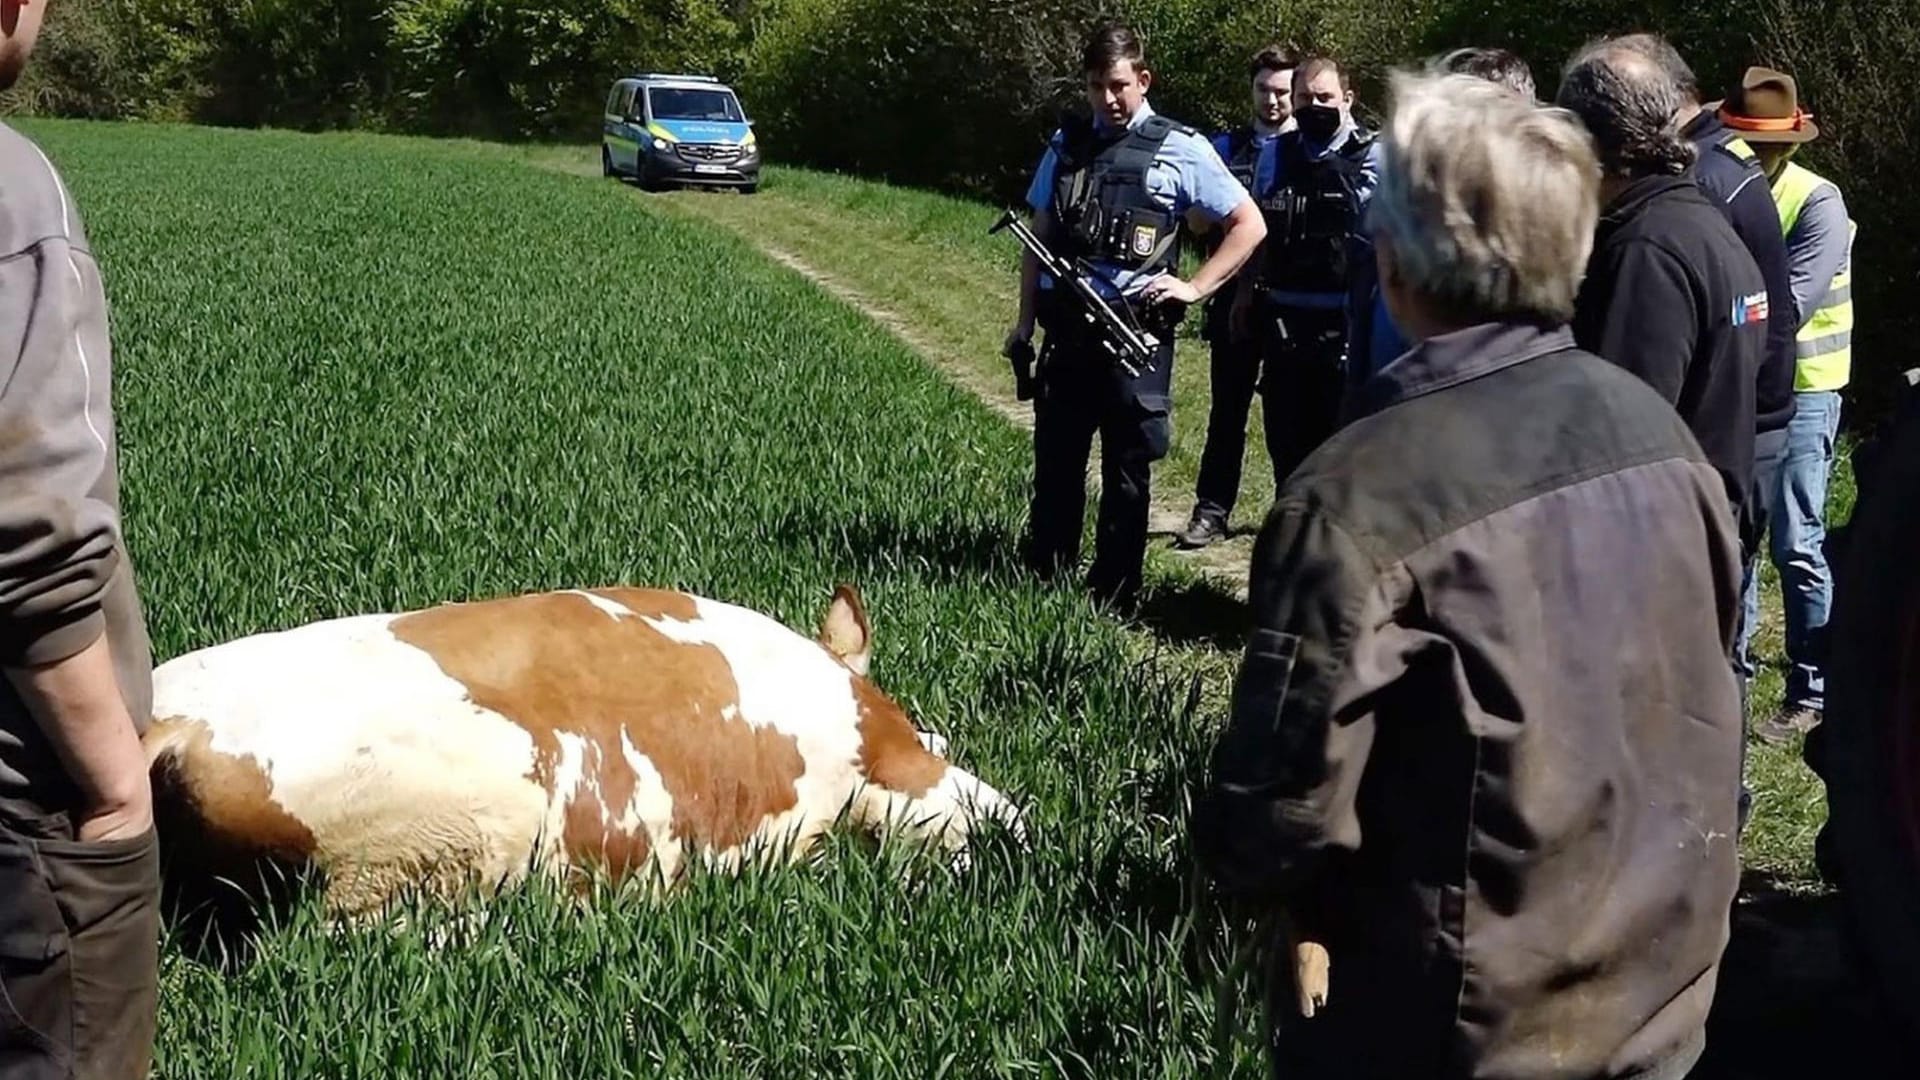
[1671, 293]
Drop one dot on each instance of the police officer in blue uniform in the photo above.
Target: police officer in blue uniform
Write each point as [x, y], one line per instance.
[1234, 364]
[1312, 186]
[1116, 189]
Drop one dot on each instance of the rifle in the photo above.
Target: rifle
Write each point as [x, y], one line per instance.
[1131, 347]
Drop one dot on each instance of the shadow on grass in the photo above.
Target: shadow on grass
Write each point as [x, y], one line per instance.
[962, 547]
[1185, 613]
[1195, 613]
[1793, 1001]
[219, 920]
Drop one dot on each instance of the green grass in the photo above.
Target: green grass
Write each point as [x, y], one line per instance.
[359, 374]
[1790, 803]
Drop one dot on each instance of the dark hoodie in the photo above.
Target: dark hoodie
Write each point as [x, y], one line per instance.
[1672, 296]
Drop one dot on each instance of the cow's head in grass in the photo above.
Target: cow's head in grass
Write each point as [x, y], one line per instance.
[626, 731]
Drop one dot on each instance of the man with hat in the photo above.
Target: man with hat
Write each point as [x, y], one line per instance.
[1765, 111]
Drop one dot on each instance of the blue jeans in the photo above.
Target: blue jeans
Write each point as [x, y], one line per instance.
[1798, 532]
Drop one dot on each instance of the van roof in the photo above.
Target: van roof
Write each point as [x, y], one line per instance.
[696, 80]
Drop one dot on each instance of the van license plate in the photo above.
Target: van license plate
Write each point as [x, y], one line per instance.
[710, 168]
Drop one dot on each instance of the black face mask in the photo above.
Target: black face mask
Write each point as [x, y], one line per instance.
[1318, 122]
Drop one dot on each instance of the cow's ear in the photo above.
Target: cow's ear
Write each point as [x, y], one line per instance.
[844, 630]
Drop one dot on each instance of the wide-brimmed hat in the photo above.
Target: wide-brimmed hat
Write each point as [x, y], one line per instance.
[1766, 109]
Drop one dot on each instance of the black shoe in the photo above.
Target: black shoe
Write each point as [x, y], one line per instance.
[1201, 530]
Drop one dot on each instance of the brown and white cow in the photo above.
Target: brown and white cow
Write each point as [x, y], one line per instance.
[629, 730]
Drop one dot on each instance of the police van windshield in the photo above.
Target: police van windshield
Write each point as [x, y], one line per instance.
[672, 103]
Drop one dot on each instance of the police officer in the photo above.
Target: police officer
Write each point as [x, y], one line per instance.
[1312, 186]
[1113, 189]
[1235, 362]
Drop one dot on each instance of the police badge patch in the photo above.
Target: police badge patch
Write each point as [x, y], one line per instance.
[1144, 238]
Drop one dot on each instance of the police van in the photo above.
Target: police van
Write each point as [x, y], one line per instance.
[678, 129]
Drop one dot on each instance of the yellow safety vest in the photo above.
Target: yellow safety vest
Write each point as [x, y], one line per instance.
[1824, 345]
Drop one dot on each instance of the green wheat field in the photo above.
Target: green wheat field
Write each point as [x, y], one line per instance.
[357, 373]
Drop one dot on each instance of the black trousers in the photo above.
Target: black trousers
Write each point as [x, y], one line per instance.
[1083, 392]
[1302, 382]
[1233, 375]
[79, 950]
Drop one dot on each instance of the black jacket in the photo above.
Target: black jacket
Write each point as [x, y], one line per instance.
[1739, 187]
[1672, 296]
[1485, 740]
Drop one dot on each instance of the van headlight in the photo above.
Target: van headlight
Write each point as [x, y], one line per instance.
[660, 144]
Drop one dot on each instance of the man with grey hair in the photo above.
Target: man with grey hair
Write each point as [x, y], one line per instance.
[1671, 293]
[1484, 739]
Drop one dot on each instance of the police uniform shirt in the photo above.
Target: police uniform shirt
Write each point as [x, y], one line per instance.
[1187, 172]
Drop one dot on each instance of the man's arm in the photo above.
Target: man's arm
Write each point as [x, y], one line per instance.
[1757, 221]
[1208, 186]
[1030, 278]
[1199, 223]
[1815, 249]
[57, 542]
[1246, 228]
[1369, 178]
[1039, 197]
[1286, 770]
[1642, 317]
[77, 703]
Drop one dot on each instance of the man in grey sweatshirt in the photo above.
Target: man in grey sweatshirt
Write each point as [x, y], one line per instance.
[79, 867]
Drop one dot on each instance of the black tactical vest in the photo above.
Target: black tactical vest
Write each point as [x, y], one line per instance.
[1311, 215]
[1101, 200]
[1243, 155]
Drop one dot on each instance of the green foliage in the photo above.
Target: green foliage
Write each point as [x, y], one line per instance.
[82, 65]
[540, 68]
[969, 88]
[1851, 58]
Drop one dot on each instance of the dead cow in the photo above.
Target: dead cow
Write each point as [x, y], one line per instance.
[627, 730]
